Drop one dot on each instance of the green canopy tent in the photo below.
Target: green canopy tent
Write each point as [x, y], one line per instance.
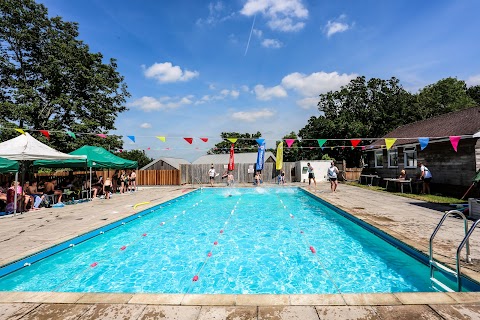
[97, 158]
[8, 166]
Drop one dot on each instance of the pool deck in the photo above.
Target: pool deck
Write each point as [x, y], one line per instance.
[409, 220]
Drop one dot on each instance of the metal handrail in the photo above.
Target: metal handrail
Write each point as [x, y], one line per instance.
[464, 242]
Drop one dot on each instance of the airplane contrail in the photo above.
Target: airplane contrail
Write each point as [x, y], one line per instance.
[251, 31]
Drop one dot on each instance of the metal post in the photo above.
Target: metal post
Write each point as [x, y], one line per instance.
[90, 196]
[15, 197]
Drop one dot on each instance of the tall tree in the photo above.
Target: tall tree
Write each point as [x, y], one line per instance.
[245, 143]
[446, 95]
[49, 79]
[474, 93]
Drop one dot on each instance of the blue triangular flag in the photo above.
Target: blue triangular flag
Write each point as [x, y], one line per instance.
[131, 138]
[423, 142]
[260, 141]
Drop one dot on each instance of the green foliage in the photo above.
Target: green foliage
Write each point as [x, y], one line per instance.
[327, 157]
[474, 93]
[135, 155]
[244, 143]
[50, 80]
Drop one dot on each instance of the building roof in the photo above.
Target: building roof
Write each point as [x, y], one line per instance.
[250, 157]
[465, 122]
[174, 162]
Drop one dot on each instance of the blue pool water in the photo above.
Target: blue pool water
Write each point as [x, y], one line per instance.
[263, 238]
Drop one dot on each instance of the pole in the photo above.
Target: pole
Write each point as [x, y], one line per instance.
[467, 191]
[90, 196]
[15, 197]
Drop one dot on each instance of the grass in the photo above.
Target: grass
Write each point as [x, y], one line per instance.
[433, 198]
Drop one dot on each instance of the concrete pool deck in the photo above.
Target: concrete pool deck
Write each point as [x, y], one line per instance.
[410, 221]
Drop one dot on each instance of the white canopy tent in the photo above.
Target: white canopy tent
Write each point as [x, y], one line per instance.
[476, 135]
[27, 148]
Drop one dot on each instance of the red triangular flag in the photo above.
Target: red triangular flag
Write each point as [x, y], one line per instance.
[355, 142]
[204, 139]
[454, 140]
[46, 134]
[289, 142]
[189, 140]
[148, 148]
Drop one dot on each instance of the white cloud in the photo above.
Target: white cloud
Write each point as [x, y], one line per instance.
[258, 33]
[166, 72]
[145, 125]
[308, 103]
[234, 93]
[252, 116]
[473, 80]
[217, 13]
[272, 43]
[336, 26]
[269, 93]
[152, 104]
[211, 87]
[316, 83]
[245, 88]
[282, 15]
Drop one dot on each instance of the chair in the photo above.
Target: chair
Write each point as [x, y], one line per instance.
[50, 198]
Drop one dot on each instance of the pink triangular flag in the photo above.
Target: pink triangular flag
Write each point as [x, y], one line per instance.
[454, 140]
[102, 135]
[289, 142]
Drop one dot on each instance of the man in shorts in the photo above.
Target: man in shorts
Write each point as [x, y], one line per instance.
[211, 174]
[311, 175]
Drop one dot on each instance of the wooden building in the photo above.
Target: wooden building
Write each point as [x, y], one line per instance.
[452, 171]
[165, 164]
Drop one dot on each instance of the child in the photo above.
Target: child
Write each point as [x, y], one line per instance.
[107, 188]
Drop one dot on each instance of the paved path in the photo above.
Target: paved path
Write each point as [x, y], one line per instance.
[410, 220]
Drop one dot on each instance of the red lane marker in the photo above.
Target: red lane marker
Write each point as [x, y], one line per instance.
[144, 235]
[93, 265]
[123, 248]
[221, 231]
[312, 249]
[195, 278]
[184, 190]
[215, 243]
[209, 254]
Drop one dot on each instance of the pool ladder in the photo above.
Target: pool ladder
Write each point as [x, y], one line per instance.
[435, 265]
[197, 181]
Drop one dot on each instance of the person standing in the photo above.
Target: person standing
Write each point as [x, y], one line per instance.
[311, 175]
[211, 174]
[426, 176]
[332, 174]
[107, 188]
[133, 182]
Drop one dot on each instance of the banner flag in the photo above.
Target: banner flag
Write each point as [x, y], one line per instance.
[454, 140]
[46, 134]
[204, 139]
[389, 142]
[232, 140]
[189, 140]
[321, 142]
[131, 138]
[161, 138]
[355, 142]
[289, 142]
[260, 156]
[231, 161]
[279, 164]
[260, 141]
[102, 135]
[423, 142]
[20, 130]
[71, 134]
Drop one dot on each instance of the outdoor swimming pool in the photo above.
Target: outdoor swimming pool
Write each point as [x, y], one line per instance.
[232, 241]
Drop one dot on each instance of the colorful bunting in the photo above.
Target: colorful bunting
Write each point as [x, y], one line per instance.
[321, 142]
[389, 142]
[131, 138]
[289, 142]
[163, 139]
[20, 130]
[46, 134]
[232, 140]
[423, 142]
[189, 140]
[71, 134]
[204, 139]
[260, 141]
[355, 142]
[102, 135]
[454, 140]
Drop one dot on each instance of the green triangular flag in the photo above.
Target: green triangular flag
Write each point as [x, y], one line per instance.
[71, 134]
[321, 142]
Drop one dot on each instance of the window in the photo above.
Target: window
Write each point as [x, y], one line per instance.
[410, 155]
[393, 158]
[379, 158]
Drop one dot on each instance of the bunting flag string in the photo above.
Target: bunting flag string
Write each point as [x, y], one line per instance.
[232, 140]
[321, 142]
[423, 142]
[45, 133]
[189, 140]
[102, 135]
[454, 140]
[389, 142]
[20, 130]
[289, 142]
[163, 139]
[204, 139]
[355, 142]
[131, 138]
[260, 141]
[71, 134]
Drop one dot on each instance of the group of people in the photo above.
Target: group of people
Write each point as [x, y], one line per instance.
[425, 176]
[332, 176]
[212, 174]
[121, 181]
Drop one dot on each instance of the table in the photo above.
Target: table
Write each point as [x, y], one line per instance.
[366, 176]
[399, 181]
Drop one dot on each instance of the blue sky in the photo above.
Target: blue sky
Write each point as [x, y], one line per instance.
[199, 68]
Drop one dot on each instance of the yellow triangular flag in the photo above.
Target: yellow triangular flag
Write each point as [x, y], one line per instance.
[232, 140]
[20, 130]
[389, 142]
[162, 138]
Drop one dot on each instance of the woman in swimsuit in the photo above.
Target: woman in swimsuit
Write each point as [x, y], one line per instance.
[133, 182]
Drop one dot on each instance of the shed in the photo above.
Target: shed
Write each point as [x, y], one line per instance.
[165, 164]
